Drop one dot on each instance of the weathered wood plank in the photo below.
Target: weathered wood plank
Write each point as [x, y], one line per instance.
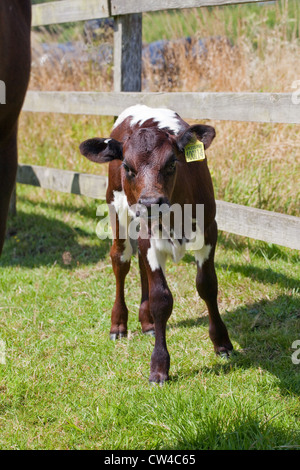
[259, 224]
[68, 10]
[78, 10]
[122, 7]
[270, 227]
[63, 180]
[128, 53]
[256, 107]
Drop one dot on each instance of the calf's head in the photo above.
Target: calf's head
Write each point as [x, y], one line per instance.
[150, 160]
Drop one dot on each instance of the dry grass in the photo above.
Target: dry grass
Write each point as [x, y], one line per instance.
[228, 68]
[55, 75]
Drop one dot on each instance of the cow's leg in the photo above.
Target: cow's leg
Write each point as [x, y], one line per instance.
[119, 315]
[120, 254]
[161, 304]
[145, 317]
[8, 170]
[207, 286]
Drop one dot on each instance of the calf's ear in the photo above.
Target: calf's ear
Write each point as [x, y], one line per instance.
[101, 150]
[202, 132]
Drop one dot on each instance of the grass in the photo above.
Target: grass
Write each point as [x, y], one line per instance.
[251, 164]
[65, 385]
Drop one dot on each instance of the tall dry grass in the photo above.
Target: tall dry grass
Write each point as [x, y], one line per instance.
[251, 163]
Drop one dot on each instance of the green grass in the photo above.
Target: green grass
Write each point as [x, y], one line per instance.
[65, 385]
[233, 20]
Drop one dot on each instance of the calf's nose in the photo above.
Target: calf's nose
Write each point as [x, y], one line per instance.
[150, 201]
[145, 204]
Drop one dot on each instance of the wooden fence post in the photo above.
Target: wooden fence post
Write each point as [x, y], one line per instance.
[128, 52]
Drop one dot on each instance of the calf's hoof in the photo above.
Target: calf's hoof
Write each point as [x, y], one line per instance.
[115, 336]
[149, 332]
[158, 378]
[224, 351]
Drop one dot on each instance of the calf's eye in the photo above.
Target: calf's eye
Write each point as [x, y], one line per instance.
[171, 167]
[128, 170]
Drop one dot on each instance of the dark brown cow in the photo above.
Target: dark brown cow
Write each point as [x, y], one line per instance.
[15, 22]
[148, 167]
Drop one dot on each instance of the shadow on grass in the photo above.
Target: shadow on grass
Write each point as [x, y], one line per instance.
[36, 240]
[88, 210]
[244, 433]
[265, 332]
[266, 275]
[259, 248]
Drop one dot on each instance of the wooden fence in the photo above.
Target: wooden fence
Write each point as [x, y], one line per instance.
[263, 225]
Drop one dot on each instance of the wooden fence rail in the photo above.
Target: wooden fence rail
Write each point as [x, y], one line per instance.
[258, 107]
[76, 10]
[124, 7]
[68, 10]
[264, 225]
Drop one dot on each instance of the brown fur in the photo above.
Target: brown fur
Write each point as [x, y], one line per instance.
[15, 21]
[142, 158]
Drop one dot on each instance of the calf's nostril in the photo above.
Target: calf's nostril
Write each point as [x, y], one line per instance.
[151, 201]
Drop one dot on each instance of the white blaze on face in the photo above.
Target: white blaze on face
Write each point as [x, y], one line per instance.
[165, 118]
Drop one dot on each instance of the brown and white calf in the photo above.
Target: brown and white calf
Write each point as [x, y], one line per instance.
[148, 166]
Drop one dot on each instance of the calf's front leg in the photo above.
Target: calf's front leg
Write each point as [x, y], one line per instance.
[119, 314]
[160, 304]
[145, 317]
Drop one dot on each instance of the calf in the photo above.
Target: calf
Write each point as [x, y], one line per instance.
[149, 151]
[15, 22]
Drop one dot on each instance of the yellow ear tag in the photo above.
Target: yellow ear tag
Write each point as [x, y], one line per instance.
[194, 151]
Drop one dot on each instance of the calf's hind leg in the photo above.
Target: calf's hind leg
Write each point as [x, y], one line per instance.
[207, 286]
